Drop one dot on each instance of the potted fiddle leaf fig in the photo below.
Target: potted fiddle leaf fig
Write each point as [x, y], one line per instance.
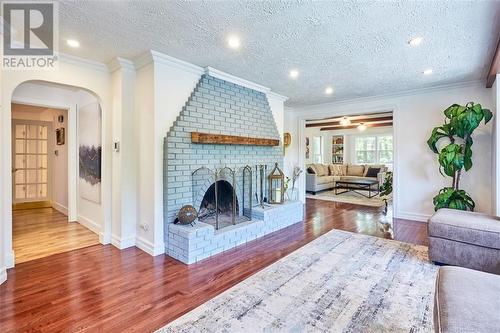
[460, 123]
[386, 190]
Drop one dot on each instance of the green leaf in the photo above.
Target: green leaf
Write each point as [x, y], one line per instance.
[451, 159]
[487, 115]
[452, 110]
[453, 199]
[437, 134]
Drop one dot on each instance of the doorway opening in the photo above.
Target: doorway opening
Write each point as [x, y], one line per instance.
[51, 211]
[349, 160]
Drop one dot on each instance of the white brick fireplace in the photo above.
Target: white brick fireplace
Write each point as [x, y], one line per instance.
[219, 107]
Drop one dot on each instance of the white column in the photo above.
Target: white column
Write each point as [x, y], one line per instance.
[124, 157]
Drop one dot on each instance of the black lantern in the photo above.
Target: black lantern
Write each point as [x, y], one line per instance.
[276, 186]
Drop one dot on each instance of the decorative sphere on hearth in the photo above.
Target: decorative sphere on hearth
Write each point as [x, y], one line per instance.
[187, 214]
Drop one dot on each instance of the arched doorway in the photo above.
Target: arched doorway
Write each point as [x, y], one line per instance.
[69, 179]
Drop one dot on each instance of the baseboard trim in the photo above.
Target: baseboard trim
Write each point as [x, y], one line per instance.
[10, 259]
[60, 208]
[413, 216]
[104, 239]
[3, 275]
[89, 224]
[149, 247]
[122, 243]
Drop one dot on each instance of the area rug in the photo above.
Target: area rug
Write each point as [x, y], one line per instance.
[349, 197]
[340, 282]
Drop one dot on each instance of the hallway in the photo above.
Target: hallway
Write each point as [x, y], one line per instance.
[41, 232]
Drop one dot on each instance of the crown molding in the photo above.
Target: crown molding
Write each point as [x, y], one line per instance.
[377, 98]
[236, 80]
[154, 57]
[77, 61]
[143, 60]
[277, 96]
[119, 63]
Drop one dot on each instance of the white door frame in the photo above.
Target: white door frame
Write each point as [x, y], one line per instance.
[72, 141]
[340, 110]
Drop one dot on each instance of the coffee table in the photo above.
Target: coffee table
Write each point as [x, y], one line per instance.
[357, 185]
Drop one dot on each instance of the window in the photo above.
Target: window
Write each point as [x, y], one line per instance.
[385, 149]
[317, 146]
[373, 149]
[366, 149]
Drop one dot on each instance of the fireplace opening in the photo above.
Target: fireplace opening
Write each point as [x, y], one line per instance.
[223, 209]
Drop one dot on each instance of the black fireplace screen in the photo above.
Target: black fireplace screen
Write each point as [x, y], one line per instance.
[215, 194]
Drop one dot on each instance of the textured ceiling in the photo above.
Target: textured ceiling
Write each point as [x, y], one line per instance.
[359, 48]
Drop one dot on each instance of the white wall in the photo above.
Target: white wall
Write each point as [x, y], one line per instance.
[90, 213]
[59, 163]
[291, 126]
[4, 254]
[417, 178]
[495, 95]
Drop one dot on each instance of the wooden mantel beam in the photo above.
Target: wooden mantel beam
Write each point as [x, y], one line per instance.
[221, 139]
[494, 67]
[354, 121]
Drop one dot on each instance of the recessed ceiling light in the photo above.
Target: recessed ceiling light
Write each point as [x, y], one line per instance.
[345, 121]
[362, 127]
[294, 73]
[416, 41]
[329, 90]
[428, 71]
[73, 43]
[233, 42]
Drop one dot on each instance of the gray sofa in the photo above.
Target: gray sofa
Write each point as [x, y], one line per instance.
[324, 176]
[465, 239]
[466, 301]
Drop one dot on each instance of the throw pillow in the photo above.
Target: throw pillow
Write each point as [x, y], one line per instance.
[330, 170]
[321, 170]
[334, 170]
[311, 170]
[355, 170]
[343, 170]
[372, 172]
[381, 166]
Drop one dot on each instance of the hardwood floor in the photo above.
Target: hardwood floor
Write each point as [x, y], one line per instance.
[42, 232]
[102, 289]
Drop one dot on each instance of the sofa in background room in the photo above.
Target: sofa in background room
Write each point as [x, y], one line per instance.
[321, 177]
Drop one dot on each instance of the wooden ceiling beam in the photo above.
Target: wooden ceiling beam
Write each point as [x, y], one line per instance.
[380, 113]
[354, 121]
[353, 126]
[494, 67]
